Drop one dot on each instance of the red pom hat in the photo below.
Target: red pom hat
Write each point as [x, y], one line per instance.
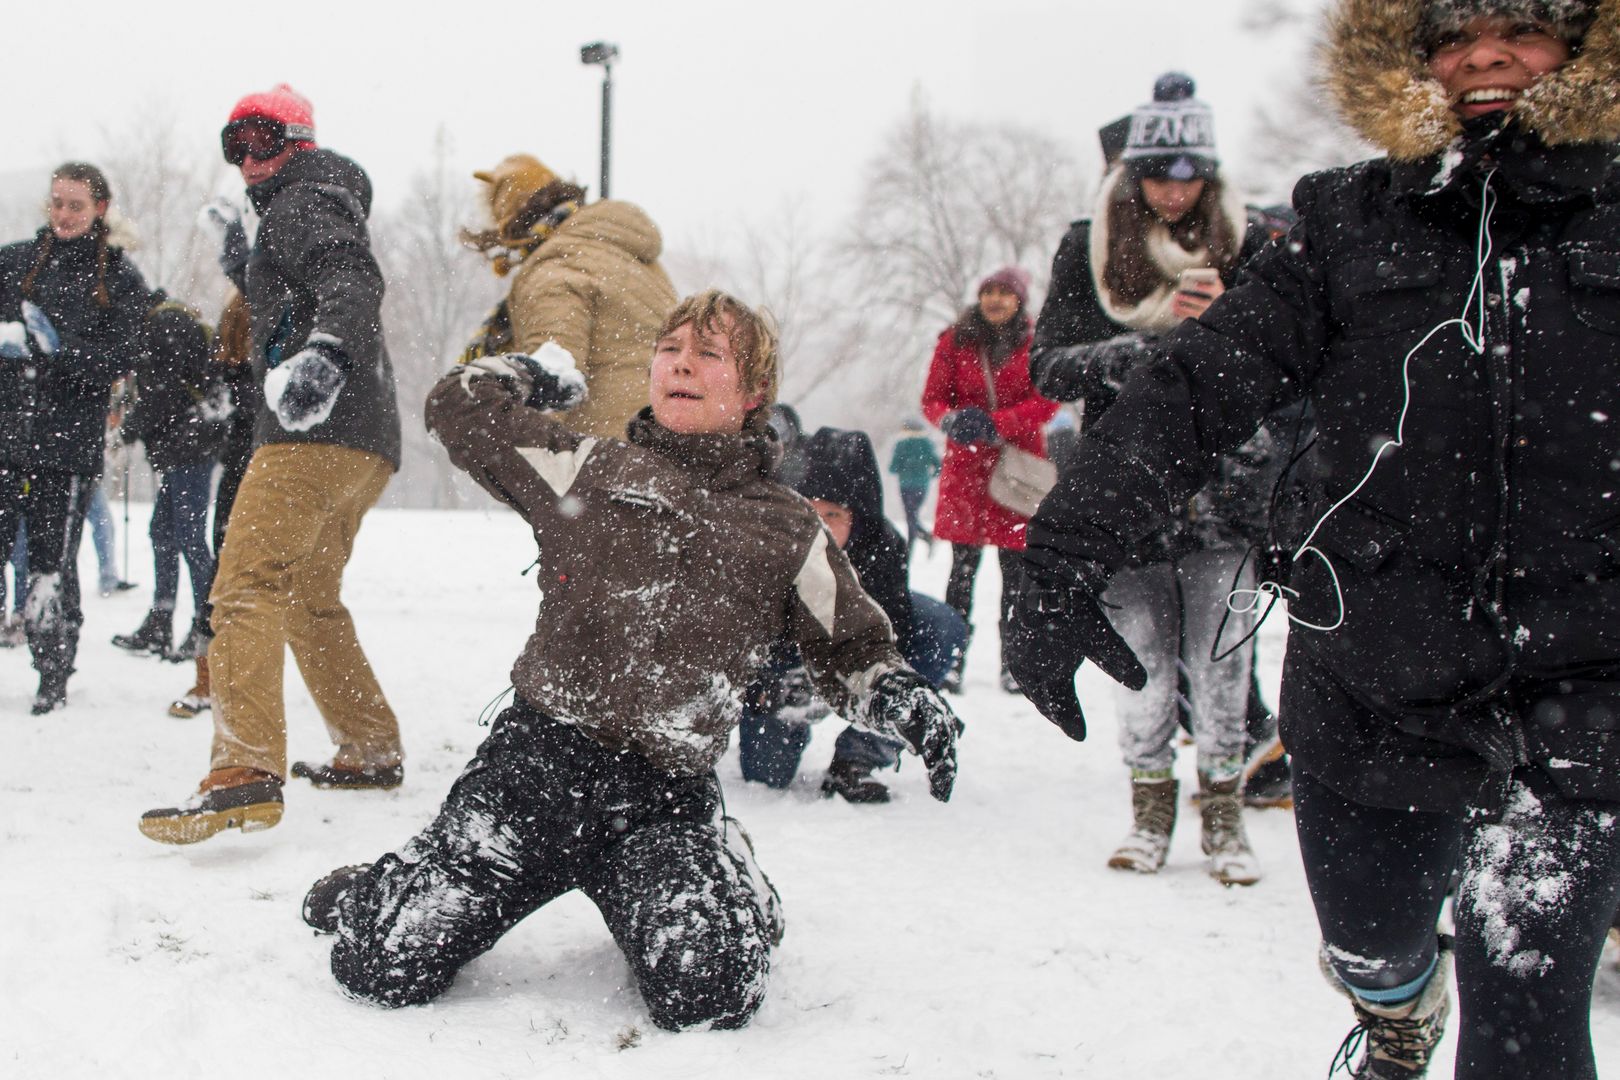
[1015, 279]
[285, 106]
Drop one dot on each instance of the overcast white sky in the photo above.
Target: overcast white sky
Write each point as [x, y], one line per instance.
[721, 108]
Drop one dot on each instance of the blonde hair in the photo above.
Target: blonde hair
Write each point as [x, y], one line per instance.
[752, 337]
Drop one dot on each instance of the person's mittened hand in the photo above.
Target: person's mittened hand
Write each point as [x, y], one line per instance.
[223, 218]
[40, 329]
[969, 426]
[302, 389]
[902, 701]
[1056, 623]
[13, 341]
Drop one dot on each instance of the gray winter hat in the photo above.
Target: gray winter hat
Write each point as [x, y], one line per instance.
[1568, 19]
[1172, 137]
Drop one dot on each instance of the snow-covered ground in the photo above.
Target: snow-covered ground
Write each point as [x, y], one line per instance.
[985, 938]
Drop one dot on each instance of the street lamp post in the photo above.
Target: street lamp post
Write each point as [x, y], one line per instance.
[600, 52]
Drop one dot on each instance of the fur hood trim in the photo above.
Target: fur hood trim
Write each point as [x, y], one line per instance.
[1371, 67]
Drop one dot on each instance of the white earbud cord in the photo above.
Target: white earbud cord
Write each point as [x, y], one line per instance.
[1242, 601]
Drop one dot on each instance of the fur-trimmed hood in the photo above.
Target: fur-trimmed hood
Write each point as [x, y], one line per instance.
[1378, 80]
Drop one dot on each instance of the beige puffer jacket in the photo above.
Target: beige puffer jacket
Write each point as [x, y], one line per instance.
[595, 287]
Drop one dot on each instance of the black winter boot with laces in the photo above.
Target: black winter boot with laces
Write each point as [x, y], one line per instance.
[194, 644]
[153, 635]
[1395, 1041]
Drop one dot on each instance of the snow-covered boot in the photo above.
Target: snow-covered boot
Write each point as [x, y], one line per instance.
[1399, 1039]
[853, 780]
[196, 700]
[153, 635]
[1153, 805]
[323, 903]
[52, 692]
[195, 643]
[1231, 859]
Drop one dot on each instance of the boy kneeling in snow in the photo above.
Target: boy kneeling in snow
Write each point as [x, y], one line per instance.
[668, 566]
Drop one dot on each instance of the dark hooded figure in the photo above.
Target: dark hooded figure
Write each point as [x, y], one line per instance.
[837, 471]
[1452, 312]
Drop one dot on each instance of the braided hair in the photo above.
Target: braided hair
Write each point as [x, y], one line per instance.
[85, 173]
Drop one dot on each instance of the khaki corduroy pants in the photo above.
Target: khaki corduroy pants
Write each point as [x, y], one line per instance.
[280, 577]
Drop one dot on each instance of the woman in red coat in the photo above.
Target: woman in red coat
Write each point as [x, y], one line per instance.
[988, 345]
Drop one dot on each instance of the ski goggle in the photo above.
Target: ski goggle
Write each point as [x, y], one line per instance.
[259, 138]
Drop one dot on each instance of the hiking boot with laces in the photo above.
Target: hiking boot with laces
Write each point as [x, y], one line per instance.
[153, 635]
[1153, 805]
[194, 644]
[1225, 841]
[1395, 1041]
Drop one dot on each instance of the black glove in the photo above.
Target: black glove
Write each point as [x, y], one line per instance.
[903, 702]
[1056, 623]
[547, 380]
[302, 389]
[1093, 370]
[968, 426]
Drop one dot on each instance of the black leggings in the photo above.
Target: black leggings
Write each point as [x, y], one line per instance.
[1534, 900]
[965, 569]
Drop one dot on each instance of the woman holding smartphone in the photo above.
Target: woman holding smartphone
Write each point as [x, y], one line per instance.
[1165, 240]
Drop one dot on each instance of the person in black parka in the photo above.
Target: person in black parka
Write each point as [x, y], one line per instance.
[180, 416]
[1452, 683]
[71, 305]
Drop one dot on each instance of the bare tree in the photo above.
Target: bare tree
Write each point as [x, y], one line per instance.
[1296, 130]
[438, 295]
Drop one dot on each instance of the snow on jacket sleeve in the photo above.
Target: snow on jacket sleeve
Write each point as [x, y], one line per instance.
[842, 633]
[1217, 378]
[939, 392]
[522, 456]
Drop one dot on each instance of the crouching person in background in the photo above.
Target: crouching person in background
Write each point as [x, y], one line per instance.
[839, 475]
[669, 563]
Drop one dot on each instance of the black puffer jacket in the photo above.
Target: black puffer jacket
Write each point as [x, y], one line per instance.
[312, 270]
[1472, 580]
[182, 407]
[53, 409]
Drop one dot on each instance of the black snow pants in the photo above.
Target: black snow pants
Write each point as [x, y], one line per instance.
[543, 809]
[54, 503]
[1534, 899]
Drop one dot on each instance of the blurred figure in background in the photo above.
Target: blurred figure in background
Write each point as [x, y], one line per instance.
[914, 463]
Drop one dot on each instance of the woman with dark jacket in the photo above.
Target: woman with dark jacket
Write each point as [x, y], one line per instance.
[71, 305]
[1167, 237]
[978, 393]
[179, 415]
[1453, 678]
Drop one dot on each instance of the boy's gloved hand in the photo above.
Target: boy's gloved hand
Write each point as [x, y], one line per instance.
[13, 341]
[968, 426]
[302, 389]
[1057, 623]
[903, 700]
[547, 380]
[40, 329]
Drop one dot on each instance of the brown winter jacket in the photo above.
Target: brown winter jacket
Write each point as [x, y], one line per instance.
[667, 568]
[595, 287]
